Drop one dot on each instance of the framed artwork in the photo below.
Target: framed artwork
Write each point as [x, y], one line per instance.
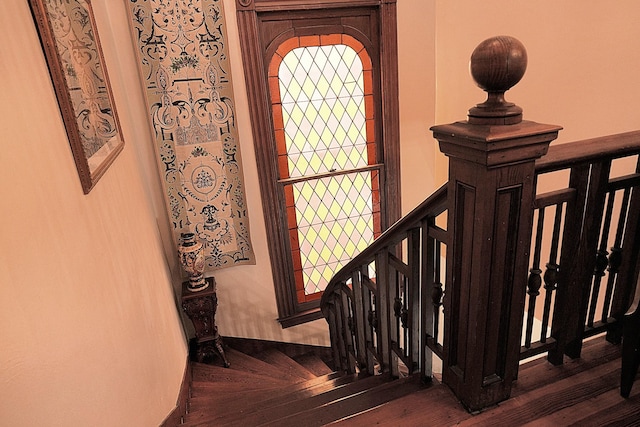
[70, 40]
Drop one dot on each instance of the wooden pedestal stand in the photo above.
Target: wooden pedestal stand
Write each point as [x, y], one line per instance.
[201, 307]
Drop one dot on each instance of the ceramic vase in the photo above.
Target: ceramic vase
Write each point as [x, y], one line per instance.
[192, 260]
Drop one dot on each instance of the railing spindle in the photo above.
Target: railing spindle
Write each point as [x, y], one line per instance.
[601, 260]
[615, 259]
[551, 273]
[535, 281]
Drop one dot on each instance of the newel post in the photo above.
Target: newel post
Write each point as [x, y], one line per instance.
[490, 198]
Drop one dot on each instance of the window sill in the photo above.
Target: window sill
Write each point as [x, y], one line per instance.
[300, 318]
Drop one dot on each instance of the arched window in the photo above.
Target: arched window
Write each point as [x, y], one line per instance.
[323, 110]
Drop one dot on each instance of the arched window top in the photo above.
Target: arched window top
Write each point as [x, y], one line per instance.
[321, 40]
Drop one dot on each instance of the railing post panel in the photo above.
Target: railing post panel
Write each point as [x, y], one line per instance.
[491, 194]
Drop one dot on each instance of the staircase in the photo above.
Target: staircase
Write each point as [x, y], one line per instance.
[272, 389]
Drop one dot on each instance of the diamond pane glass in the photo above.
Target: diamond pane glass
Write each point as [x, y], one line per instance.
[323, 109]
[335, 222]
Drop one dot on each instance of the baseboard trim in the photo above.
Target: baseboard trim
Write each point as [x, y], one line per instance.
[176, 416]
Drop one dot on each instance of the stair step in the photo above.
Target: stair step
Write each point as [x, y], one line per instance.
[233, 405]
[433, 406]
[313, 363]
[287, 405]
[203, 396]
[286, 364]
[243, 362]
[215, 374]
[352, 404]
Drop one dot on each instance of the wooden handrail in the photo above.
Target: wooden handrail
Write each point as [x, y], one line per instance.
[614, 146]
[433, 205]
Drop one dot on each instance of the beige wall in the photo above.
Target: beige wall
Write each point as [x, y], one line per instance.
[89, 332]
[584, 59]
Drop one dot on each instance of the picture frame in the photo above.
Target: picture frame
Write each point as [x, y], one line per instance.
[72, 48]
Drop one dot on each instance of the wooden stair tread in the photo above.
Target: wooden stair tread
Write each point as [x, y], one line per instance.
[281, 405]
[209, 391]
[245, 363]
[216, 374]
[313, 363]
[352, 404]
[433, 406]
[205, 396]
[256, 400]
[287, 364]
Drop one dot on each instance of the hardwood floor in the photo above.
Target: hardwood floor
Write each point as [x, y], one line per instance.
[581, 392]
[271, 388]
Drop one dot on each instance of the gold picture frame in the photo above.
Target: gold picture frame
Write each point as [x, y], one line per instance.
[70, 41]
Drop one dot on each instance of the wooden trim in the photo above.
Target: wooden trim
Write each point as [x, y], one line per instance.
[262, 23]
[176, 416]
[302, 317]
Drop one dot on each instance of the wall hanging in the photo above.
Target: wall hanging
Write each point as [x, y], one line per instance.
[182, 51]
[70, 40]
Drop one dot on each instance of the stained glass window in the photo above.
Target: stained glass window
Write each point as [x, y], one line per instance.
[327, 157]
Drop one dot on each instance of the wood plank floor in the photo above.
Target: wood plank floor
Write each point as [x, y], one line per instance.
[581, 392]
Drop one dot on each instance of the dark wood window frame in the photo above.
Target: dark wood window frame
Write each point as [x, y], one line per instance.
[263, 25]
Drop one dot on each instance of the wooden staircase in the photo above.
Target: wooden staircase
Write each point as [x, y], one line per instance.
[270, 388]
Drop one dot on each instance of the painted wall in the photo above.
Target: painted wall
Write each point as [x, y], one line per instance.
[89, 331]
[583, 62]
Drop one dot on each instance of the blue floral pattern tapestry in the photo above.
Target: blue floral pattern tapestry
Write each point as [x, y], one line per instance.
[185, 66]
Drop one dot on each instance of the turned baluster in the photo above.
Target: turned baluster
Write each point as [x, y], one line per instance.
[551, 273]
[535, 281]
[601, 261]
[615, 259]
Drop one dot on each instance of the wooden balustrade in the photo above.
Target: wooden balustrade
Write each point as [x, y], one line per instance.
[588, 278]
[374, 304]
[526, 271]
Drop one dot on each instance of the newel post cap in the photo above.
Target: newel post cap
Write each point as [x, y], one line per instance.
[496, 65]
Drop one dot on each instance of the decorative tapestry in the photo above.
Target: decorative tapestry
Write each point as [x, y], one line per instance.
[182, 51]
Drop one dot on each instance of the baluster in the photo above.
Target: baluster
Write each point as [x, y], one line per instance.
[413, 304]
[437, 294]
[534, 282]
[427, 316]
[372, 317]
[601, 260]
[615, 259]
[551, 273]
[359, 316]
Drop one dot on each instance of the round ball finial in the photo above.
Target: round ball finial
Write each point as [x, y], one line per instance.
[496, 65]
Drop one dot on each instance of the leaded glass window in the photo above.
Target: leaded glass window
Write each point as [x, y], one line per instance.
[323, 118]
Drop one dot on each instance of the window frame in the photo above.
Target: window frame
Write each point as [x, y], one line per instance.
[263, 25]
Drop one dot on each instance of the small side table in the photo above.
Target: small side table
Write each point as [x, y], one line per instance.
[201, 307]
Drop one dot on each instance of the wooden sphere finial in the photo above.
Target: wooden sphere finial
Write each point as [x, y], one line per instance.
[496, 65]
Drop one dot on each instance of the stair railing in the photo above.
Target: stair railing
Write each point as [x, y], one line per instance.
[586, 289]
[376, 306]
[392, 307]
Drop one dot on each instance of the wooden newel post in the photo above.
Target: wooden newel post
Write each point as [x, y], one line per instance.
[491, 193]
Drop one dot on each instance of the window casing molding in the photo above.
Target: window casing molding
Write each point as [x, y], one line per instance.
[263, 26]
